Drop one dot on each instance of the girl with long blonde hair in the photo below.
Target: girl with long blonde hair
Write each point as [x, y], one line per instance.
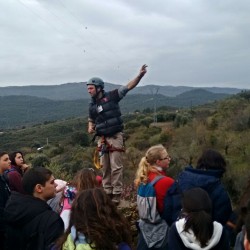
[153, 164]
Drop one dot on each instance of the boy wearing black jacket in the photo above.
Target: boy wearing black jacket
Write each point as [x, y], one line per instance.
[31, 223]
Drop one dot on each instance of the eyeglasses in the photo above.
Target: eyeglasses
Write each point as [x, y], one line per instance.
[166, 158]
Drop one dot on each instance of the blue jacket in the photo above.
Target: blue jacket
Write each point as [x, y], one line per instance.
[210, 181]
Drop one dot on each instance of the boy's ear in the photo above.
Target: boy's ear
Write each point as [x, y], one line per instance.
[38, 188]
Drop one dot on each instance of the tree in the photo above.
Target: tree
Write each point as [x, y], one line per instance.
[80, 138]
[40, 161]
[146, 121]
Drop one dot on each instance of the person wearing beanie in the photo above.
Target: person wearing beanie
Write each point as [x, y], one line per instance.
[196, 229]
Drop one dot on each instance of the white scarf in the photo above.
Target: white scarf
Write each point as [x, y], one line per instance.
[190, 241]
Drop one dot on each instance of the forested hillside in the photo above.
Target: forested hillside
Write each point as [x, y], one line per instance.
[224, 126]
[21, 111]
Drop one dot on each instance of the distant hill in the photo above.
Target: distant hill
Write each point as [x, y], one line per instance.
[19, 111]
[74, 91]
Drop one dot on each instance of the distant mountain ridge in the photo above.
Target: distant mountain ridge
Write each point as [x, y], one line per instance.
[78, 90]
[18, 111]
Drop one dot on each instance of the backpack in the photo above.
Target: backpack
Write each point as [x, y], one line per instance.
[146, 201]
[68, 197]
[153, 228]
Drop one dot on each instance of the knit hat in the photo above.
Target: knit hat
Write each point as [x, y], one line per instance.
[195, 200]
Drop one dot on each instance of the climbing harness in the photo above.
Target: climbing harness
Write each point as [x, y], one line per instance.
[102, 149]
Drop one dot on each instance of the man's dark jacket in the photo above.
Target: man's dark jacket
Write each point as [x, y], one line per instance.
[29, 221]
[106, 114]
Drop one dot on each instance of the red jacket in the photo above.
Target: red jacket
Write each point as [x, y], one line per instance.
[161, 188]
[15, 180]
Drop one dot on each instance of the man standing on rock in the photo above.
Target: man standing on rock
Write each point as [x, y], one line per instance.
[105, 121]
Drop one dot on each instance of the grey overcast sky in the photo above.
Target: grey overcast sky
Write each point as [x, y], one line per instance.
[183, 42]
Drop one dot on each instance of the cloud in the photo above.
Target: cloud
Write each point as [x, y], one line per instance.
[186, 42]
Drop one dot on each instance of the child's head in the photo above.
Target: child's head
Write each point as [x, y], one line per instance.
[155, 156]
[17, 158]
[197, 207]
[155, 153]
[211, 159]
[85, 179]
[39, 182]
[95, 215]
[4, 161]
[195, 200]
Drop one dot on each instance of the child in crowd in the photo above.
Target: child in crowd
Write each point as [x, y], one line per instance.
[196, 229]
[95, 223]
[30, 222]
[241, 227]
[4, 193]
[152, 165]
[84, 179]
[207, 175]
[15, 174]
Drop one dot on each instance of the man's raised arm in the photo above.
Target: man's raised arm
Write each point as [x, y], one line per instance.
[133, 83]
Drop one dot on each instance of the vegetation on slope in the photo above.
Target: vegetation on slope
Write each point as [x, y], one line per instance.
[224, 126]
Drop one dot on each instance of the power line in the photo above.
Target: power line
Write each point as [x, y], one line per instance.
[38, 16]
[98, 38]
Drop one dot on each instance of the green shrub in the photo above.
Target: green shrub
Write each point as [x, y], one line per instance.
[40, 161]
[132, 124]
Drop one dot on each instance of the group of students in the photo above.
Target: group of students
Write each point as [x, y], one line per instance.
[46, 213]
[29, 222]
[196, 207]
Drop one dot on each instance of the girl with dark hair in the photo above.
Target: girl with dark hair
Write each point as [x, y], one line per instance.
[211, 160]
[84, 179]
[196, 228]
[95, 223]
[15, 174]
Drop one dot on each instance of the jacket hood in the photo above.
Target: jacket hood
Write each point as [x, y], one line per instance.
[190, 241]
[217, 173]
[21, 208]
[205, 179]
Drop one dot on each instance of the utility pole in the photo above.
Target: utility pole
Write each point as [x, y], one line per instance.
[154, 100]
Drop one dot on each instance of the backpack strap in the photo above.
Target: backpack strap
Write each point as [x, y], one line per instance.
[156, 179]
[5, 174]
